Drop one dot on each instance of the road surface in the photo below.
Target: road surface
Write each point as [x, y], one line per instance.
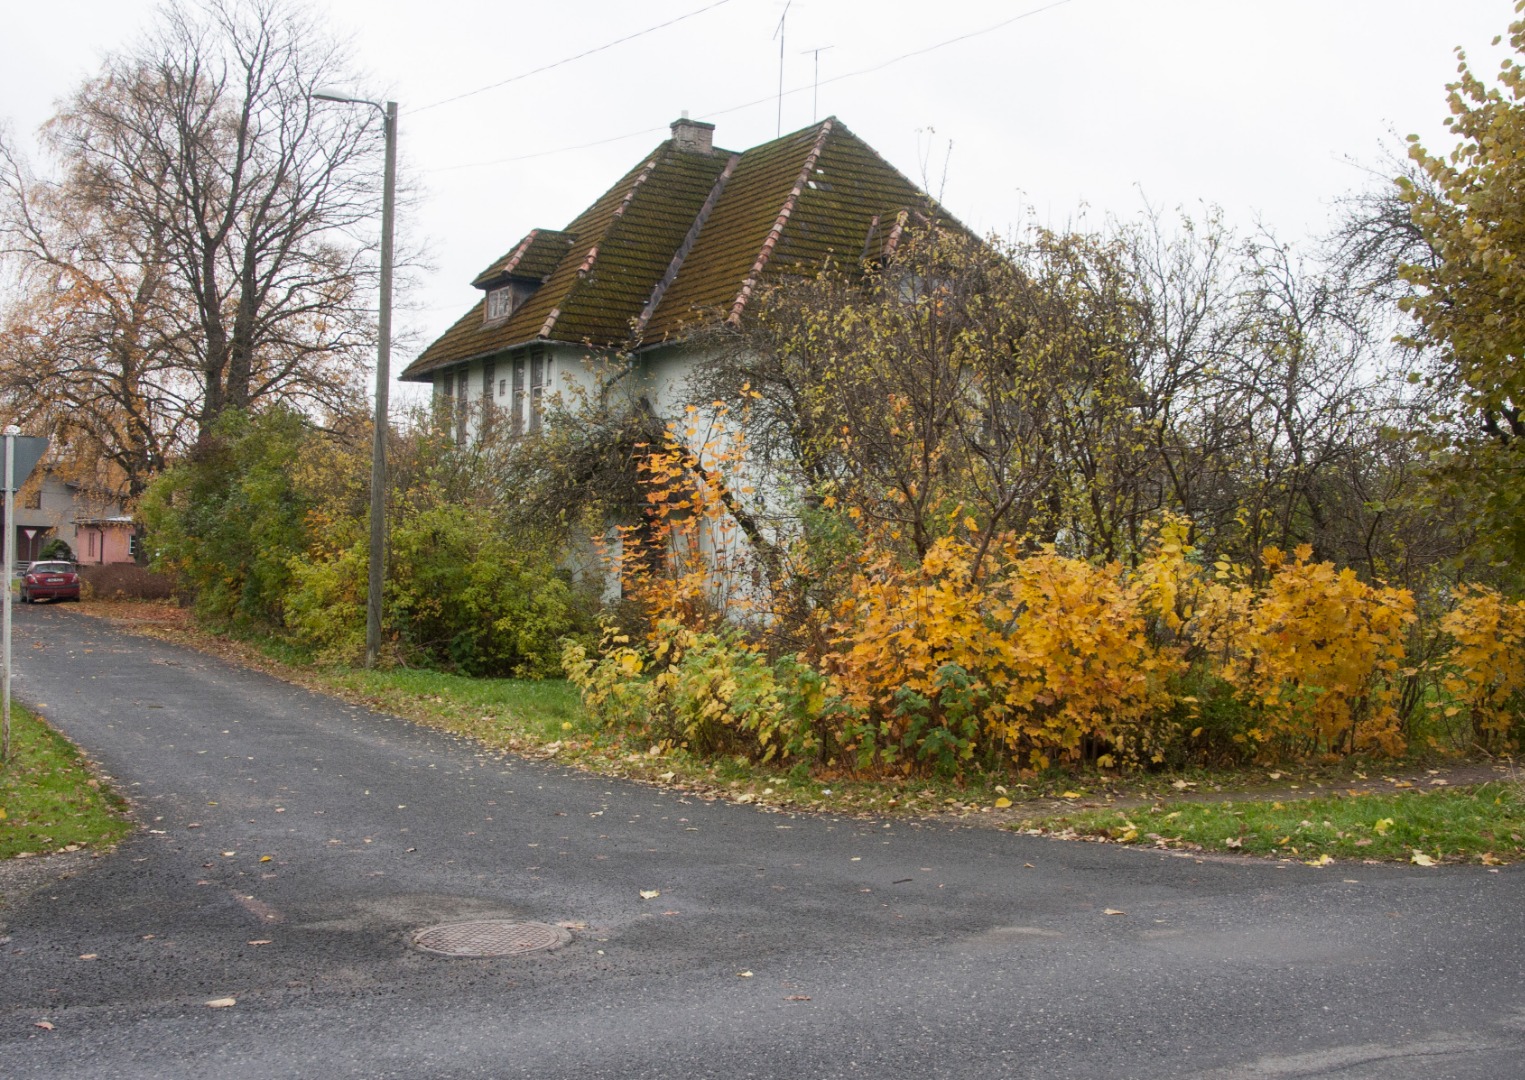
[780, 945]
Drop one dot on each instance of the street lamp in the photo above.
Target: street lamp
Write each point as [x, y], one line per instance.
[383, 371]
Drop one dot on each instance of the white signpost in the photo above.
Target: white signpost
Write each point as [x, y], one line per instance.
[22, 453]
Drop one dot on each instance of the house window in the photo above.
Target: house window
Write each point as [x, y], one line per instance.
[91, 535]
[132, 545]
[488, 369]
[518, 403]
[460, 409]
[500, 303]
[537, 386]
[502, 387]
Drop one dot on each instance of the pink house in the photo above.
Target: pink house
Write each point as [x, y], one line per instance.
[103, 540]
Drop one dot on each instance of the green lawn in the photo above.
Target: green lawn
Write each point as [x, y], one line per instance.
[1485, 824]
[49, 800]
[494, 710]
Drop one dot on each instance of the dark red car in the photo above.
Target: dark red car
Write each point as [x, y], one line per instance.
[50, 581]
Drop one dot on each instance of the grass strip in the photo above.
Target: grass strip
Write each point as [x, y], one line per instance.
[49, 799]
[1483, 824]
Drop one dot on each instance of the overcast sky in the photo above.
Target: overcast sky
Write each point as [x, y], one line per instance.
[1266, 108]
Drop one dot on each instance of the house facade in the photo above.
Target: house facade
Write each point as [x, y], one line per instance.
[682, 241]
[94, 526]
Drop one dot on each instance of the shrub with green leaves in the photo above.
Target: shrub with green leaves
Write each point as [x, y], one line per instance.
[228, 520]
[460, 595]
[705, 691]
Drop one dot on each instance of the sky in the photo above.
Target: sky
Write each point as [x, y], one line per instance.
[1011, 111]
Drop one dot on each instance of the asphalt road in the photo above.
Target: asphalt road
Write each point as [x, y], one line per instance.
[875, 949]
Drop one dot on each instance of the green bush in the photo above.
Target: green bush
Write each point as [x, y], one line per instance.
[228, 520]
[459, 595]
[56, 548]
[706, 691]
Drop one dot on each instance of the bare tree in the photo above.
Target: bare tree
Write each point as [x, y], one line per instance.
[205, 244]
[89, 350]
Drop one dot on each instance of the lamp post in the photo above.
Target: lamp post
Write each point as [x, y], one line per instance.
[383, 372]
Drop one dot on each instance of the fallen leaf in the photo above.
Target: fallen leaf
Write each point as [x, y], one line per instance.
[260, 941]
[1274, 775]
[1323, 860]
[1071, 795]
[1000, 804]
[1419, 858]
[1113, 911]
[88, 956]
[1233, 843]
[1382, 825]
[798, 997]
[222, 1003]
[748, 797]
[650, 894]
[264, 858]
[743, 974]
[229, 854]
[49, 1027]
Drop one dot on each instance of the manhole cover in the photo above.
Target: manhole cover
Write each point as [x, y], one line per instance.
[490, 937]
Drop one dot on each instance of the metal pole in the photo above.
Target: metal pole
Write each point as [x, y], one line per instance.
[383, 380]
[5, 604]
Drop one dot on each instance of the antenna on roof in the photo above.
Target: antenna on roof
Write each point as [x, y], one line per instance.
[779, 33]
[815, 87]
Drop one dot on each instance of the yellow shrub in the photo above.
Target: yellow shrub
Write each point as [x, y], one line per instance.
[1315, 654]
[1486, 664]
[1049, 652]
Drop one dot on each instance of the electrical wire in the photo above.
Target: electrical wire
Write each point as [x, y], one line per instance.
[569, 59]
[759, 101]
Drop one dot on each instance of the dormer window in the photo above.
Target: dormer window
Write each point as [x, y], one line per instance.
[500, 303]
[503, 300]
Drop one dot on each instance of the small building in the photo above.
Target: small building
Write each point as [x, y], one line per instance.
[48, 507]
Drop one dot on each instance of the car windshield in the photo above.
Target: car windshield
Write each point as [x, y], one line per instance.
[51, 568]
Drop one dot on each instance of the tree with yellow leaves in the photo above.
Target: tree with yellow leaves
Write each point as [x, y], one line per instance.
[1469, 299]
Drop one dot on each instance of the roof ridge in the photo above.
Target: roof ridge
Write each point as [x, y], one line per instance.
[671, 275]
[783, 219]
[518, 252]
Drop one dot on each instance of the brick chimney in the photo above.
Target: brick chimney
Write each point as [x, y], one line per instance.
[693, 136]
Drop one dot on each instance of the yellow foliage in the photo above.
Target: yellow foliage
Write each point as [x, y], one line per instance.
[1045, 653]
[1315, 653]
[1486, 669]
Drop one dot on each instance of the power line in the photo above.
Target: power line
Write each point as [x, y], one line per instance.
[759, 101]
[569, 59]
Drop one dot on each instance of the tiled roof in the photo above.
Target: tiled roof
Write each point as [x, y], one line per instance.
[533, 258]
[685, 238]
